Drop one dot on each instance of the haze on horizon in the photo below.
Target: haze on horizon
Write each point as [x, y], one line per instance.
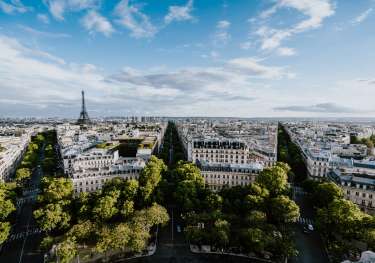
[289, 58]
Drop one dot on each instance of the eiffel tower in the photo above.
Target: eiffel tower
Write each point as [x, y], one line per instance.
[83, 116]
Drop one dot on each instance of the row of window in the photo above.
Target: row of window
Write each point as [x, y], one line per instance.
[98, 184]
[217, 151]
[364, 195]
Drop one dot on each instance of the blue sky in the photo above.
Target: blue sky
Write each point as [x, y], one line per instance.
[246, 58]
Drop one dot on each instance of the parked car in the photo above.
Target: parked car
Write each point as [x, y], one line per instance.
[308, 228]
[178, 229]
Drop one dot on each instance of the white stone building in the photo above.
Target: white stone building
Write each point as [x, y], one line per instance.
[229, 153]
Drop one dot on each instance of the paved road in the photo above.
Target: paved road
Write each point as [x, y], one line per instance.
[173, 248]
[310, 246]
[23, 246]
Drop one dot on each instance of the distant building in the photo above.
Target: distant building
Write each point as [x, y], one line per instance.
[103, 151]
[358, 188]
[11, 153]
[229, 154]
[83, 116]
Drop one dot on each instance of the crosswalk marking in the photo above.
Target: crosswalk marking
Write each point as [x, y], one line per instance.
[305, 221]
[20, 235]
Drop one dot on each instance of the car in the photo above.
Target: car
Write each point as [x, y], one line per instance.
[178, 229]
[308, 228]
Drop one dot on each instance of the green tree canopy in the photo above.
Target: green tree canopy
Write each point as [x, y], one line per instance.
[341, 217]
[52, 216]
[4, 231]
[66, 251]
[127, 208]
[81, 231]
[187, 171]
[151, 176]
[56, 189]
[283, 209]
[6, 208]
[325, 193]
[274, 179]
[22, 174]
[105, 207]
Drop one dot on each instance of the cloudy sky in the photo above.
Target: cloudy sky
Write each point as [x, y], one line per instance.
[246, 58]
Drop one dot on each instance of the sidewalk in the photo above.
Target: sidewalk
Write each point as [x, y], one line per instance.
[195, 249]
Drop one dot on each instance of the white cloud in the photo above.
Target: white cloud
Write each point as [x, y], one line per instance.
[213, 55]
[286, 51]
[222, 36]
[43, 84]
[223, 24]
[12, 6]
[58, 7]
[133, 19]
[326, 107]
[253, 67]
[246, 45]
[316, 12]
[43, 18]
[39, 33]
[94, 22]
[180, 13]
[362, 17]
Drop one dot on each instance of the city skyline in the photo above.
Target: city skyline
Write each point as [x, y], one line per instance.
[279, 58]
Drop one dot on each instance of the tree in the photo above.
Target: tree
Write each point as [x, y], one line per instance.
[52, 216]
[274, 179]
[22, 174]
[254, 239]
[56, 189]
[4, 231]
[220, 233]
[186, 195]
[130, 189]
[105, 239]
[341, 217]
[213, 201]
[369, 238]
[139, 237]
[148, 217]
[284, 210]
[39, 139]
[6, 208]
[127, 208]
[46, 243]
[66, 251]
[81, 231]
[195, 235]
[150, 177]
[187, 171]
[325, 193]
[122, 234]
[105, 207]
[256, 218]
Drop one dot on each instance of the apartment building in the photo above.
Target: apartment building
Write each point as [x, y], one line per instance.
[328, 155]
[218, 176]
[92, 168]
[98, 153]
[13, 146]
[358, 188]
[229, 153]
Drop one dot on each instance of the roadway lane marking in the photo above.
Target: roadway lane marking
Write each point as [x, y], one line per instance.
[24, 241]
[172, 224]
